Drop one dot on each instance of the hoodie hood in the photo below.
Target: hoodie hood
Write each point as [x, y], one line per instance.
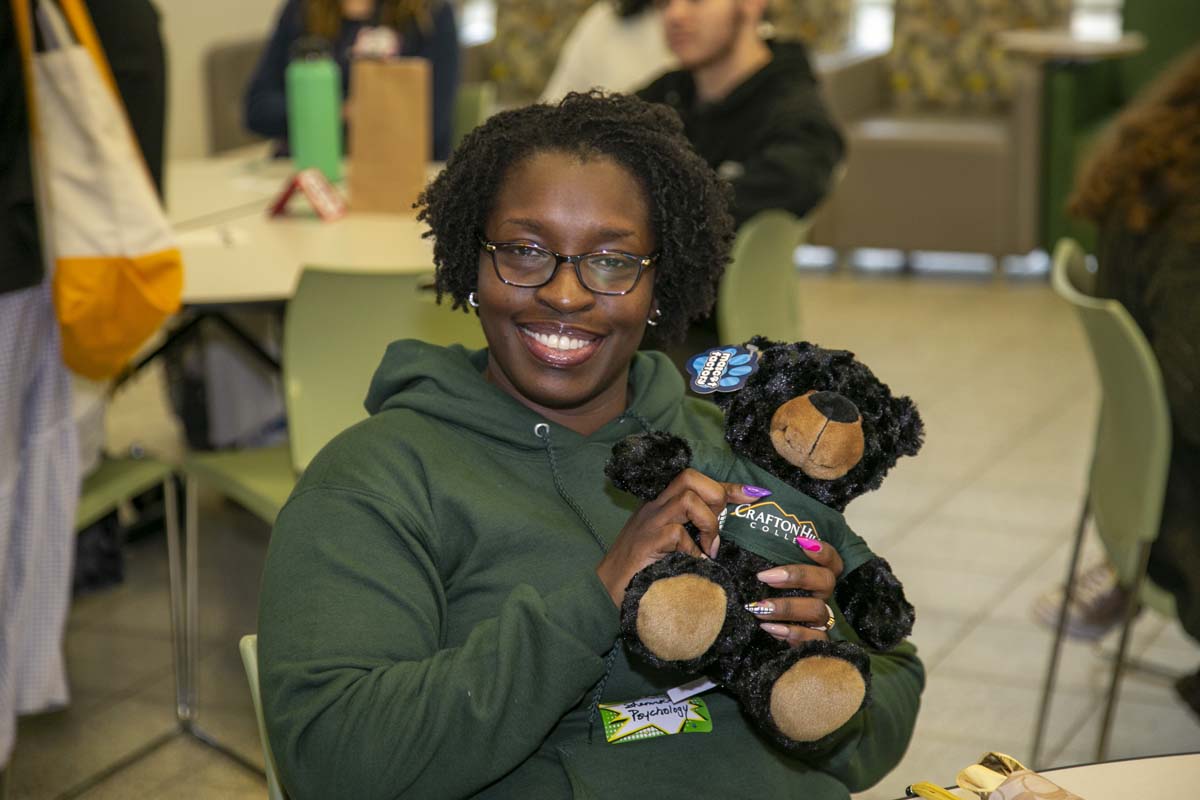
[447, 384]
[789, 65]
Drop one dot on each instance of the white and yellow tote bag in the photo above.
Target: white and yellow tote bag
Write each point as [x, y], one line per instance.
[117, 272]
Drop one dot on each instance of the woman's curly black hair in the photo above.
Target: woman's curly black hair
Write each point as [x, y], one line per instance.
[689, 204]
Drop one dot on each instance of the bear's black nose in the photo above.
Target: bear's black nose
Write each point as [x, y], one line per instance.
[835, 407]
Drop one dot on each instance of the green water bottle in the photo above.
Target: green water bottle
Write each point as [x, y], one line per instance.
[314, 108]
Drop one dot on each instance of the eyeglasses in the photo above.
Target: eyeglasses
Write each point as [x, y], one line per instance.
[529, 266]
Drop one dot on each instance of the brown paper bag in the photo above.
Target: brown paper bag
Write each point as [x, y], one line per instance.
[390, 139]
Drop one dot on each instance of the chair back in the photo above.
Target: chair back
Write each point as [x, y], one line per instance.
[1133, 437]
[472, 106]
[227, 71]
[249, 650]
[757, 295]
[338, 325]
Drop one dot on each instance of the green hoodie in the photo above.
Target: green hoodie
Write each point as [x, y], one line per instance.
[432, 624]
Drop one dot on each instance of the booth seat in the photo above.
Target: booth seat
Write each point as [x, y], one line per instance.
[943, 134]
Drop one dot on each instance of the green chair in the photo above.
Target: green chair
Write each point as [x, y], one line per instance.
[113, 482]
[1128, 474]
[337, 327]
[249, 650]
[1081, 97]
[473, 104]
[116, 481]
[757, 294]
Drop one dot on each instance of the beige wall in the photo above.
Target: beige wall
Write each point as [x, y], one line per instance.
[189, 29]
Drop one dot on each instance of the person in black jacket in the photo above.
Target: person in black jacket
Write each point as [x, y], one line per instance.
[129, 31]
[751, 108]
[20, 245]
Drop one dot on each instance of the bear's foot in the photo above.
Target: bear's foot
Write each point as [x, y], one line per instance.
[806, 693]
[815, 697]
[682, 612]
[679, 618]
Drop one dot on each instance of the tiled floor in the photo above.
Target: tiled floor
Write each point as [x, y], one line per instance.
[976, 526]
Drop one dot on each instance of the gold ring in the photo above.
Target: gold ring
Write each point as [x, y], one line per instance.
[828, 626]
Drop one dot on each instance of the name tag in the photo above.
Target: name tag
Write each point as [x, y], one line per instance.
[651, 717]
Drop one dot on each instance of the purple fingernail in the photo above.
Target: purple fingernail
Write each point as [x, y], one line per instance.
[811, 545]
[755, 491]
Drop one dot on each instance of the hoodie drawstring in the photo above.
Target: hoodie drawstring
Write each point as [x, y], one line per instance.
[542, 431]
[639, 419]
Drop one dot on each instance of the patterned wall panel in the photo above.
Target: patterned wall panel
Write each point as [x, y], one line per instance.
[824, 25]
[945, 55]
[529, 35]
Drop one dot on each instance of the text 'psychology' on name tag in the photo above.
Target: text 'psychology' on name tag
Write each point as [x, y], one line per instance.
[651, 717]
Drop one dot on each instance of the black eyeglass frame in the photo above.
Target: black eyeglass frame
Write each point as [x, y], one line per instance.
[643, 262]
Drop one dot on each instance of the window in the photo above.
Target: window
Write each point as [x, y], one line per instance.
[476, 22]
[873, 24]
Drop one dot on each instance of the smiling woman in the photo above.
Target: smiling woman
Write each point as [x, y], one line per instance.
[445, 580]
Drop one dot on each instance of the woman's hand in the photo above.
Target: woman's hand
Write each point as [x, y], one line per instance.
[656, 529]
[810, 612]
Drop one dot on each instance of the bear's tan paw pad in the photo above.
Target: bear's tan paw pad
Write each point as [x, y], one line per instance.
[815, 697]
[679, 618]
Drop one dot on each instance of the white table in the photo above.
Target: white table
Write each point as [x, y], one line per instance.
[234, 253]
[255, 258]
[203, 191]
[1157, 777]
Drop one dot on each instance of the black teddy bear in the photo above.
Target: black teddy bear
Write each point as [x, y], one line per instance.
[819, 421]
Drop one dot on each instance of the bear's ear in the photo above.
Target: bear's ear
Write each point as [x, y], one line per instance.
[908, 423]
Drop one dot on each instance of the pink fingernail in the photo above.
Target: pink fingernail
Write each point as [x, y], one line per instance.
[775, 574]
[714, 547]
[773, 629]
[811, 545]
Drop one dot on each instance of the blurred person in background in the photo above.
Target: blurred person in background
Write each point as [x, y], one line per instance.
[1142, 188]
[51, 422]
[752, 108]
[39, 449]
[617, 46]
[359, 28]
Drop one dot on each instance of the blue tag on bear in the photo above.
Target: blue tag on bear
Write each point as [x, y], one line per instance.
[722, 369]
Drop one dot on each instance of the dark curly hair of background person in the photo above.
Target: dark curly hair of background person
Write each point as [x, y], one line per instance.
[689, 205]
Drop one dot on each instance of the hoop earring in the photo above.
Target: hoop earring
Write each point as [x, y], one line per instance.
[652, 321]
[473, 300]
